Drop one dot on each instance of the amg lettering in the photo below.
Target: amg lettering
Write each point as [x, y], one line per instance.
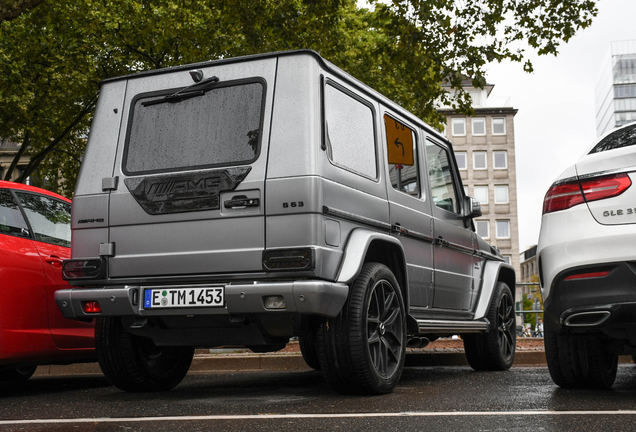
[183, 186]
[83, 221]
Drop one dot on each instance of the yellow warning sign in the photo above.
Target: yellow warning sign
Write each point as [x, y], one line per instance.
[399, 142]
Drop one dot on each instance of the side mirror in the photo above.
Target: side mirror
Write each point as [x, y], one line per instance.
[472, 207]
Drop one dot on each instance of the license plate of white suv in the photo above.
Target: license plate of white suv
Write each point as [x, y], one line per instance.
[174, 297]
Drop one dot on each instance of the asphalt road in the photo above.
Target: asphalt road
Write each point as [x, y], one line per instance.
[427, 398]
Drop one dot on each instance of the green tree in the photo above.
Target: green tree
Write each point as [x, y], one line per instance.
[53, 56]
[10, 9]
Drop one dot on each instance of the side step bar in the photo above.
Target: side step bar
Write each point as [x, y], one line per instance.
[439, 326]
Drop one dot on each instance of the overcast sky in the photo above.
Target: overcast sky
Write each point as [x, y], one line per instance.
[556, 119]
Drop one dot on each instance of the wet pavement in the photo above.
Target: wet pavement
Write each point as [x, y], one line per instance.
[427, 398]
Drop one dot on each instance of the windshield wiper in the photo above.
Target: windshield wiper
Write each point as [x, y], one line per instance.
[183, 93]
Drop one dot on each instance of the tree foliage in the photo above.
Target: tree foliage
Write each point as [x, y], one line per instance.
[10, 9]
[53, 56]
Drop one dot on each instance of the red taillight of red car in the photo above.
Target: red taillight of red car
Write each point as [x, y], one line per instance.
[91, 307]
[565, 195]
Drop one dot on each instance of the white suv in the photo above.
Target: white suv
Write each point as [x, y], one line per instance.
[587, 263]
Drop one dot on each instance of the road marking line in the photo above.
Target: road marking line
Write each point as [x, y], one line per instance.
[317, 416]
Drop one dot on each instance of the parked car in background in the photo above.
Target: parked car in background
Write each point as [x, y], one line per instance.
[587, 263]
[35, 237]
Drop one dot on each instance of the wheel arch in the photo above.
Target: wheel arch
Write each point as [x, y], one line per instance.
[494, 272]
[366, 246]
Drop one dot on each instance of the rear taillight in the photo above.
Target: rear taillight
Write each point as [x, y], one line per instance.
[82, 268]
[605, 187]
[565, 195]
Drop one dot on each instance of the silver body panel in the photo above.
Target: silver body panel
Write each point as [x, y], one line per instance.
[302, 200]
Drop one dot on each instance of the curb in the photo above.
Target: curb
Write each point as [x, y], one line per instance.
[203, 363]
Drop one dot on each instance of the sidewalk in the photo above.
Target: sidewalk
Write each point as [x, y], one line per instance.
[443, 352]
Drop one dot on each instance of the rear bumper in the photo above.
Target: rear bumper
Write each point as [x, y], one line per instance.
[595, 303]
[305, 297]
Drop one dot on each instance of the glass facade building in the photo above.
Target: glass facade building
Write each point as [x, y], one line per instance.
[616, 87]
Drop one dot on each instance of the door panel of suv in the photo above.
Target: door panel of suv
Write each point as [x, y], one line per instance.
[453, 258]
[191, 200]
[409, 207]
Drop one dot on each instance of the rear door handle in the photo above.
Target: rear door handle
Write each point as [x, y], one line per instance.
[241, 201]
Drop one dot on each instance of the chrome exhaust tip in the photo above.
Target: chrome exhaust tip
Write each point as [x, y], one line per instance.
[587, 319]
[417, 342]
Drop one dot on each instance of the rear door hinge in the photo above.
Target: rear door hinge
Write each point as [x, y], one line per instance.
[107, 249]
[109, 183]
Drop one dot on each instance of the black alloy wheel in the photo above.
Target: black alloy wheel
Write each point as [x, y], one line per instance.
[494, 350]
[362, 350]
[506, 327]
[385, 333]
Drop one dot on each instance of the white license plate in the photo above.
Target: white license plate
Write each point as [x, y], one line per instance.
[172, 297]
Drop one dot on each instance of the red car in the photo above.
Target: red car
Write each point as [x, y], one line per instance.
[35, 236]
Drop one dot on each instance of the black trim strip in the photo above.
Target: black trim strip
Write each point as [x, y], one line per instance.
[355, 218]
[398, 229]
[467, 250]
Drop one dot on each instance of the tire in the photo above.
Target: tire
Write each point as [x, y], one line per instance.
[494, 350]
[580, 361]
[16, 375]
[308, 349]
[135, 364]
[362, 350]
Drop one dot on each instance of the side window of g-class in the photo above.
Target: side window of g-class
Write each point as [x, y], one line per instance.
[440, 172]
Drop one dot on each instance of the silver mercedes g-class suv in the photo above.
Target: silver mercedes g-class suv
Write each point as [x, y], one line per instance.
[247, 201]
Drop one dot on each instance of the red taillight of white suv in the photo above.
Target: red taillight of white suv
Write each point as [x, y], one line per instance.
[562, 196]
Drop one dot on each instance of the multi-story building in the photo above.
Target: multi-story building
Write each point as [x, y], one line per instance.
[529, 267]
[484, 146]
[8, 151]
[616, 87]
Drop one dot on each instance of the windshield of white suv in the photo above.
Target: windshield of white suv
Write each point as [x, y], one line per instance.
[621, 138]
[220, 126]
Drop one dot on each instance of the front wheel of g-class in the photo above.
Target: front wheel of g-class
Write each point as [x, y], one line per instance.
[362, 350]
[135, 364]
[494, 350]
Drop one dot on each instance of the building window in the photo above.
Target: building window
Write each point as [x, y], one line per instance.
[508, 259]
[459, 127]
[481, 193]
[479, 160]
[498, 126]
[503, 229]
[500, 159]
[625, 91]
[479, 126]
[501, 194]
[460, 157]
[476, 98]
[483, 228]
